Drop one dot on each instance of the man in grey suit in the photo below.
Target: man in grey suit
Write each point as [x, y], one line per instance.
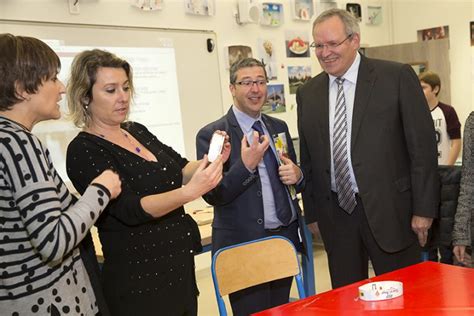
[368, 152]
[256, 197]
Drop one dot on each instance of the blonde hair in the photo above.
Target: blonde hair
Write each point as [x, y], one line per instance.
[83, 77]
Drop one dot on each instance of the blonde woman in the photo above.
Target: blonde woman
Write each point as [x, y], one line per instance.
[147, 239]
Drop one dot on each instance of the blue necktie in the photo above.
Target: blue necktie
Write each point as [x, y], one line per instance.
[282, 206]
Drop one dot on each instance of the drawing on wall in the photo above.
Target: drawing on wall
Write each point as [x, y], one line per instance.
[355, 10]
[472, 34]
[433, 33]
[324, 5]
[297, 43]
[199, 7]
[272, 14]
[147, 5]
[237, 52]
[266, 53]
[303, 9]
[297, 76]
[275, 99]
[374, 14]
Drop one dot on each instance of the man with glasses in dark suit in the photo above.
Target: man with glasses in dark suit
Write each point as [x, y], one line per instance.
[368, 152]
[257, 196]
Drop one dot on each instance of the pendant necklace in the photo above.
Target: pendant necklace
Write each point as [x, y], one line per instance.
[137, 148]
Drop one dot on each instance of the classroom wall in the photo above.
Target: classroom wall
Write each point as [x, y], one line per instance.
[412, 15]
[401, 20]
[119, 12]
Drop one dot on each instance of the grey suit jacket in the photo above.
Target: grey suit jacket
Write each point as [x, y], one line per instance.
[393, 150]
[237, 200]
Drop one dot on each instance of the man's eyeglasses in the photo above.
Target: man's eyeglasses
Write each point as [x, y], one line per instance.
[250, 83]
[330, 45]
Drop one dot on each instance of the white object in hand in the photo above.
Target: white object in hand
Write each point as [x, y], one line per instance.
[215, 148]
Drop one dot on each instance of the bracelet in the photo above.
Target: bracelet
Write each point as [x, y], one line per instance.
[378, 291]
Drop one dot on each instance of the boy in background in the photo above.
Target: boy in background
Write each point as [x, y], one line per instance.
[448, 137]
[445, 119]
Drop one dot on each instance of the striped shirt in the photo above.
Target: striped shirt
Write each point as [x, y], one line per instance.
[41, 225]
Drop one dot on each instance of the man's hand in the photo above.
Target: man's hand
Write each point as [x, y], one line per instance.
[253, 154]
[420, 226]
[289, 172]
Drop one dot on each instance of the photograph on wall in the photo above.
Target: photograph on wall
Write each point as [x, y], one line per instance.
[297, 43]
[303, 10]
[266, 53]
[472, 34]
[433, 33]
[324, 5]
[374, 15]
[199, 7]
[147, 5]
[272, 14]
[297, 76]
[275, 99]
[355, 10]
[237, 52]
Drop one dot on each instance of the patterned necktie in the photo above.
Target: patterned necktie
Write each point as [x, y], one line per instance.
[282, 206]
[345, 194]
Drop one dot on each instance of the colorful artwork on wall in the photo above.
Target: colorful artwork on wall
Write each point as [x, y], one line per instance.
[275, 99]
[272, 14]
[297, 76]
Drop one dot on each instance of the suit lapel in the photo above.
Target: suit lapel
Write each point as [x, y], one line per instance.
[234, 125]
[272, 130]
[323, 95]
[365, 82]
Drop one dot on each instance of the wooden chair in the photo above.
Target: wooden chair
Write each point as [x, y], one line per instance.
[255, 262]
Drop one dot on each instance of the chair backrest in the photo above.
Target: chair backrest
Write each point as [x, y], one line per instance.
[255, 262]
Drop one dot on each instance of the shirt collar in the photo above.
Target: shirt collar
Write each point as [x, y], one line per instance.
[245, 121]
[351, 73]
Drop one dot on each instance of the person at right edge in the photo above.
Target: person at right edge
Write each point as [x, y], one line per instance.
[463, 232]
[368, 152]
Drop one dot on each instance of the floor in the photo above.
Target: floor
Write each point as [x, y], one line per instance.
[207, 299]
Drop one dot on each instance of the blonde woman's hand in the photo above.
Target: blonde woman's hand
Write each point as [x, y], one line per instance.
[206, 178]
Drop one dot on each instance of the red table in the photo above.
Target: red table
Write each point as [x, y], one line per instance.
[429, 288]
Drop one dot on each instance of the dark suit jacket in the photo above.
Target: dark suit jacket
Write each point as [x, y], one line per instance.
[237, 200]
[393, 151]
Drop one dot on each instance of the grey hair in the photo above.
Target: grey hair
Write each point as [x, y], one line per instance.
[245, 63]
[351, 24]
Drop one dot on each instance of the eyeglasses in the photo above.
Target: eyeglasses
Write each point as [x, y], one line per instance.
[320, 47]
[250, 83]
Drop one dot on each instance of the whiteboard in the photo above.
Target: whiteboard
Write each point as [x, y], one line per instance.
[197, 75]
